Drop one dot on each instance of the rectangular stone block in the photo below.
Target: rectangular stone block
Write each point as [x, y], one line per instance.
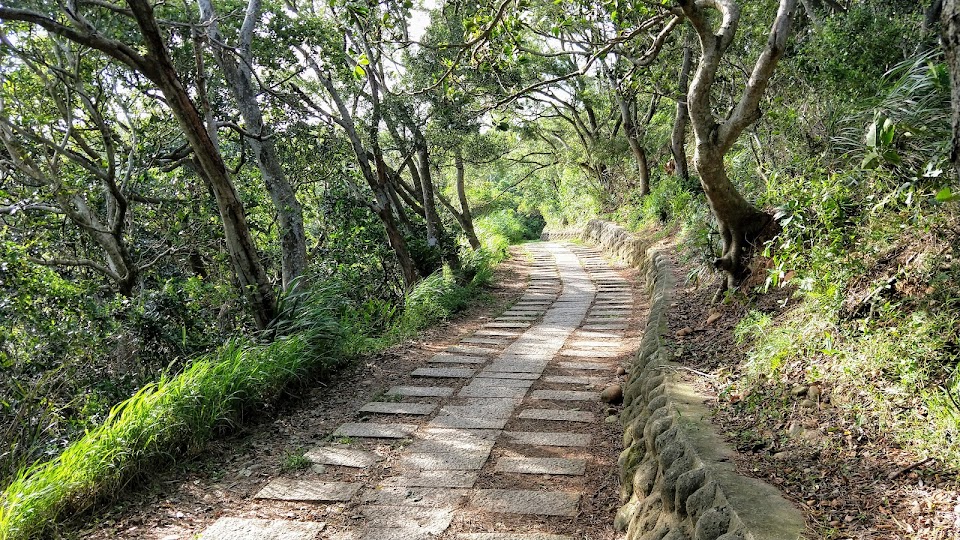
[466, 434]
[594, 353]
[375, 431]
[559, 415]
[484, 341]
[388, 407]
[483, 382]
[490, 391]
[231, 528]
[573, 379]
[496, 332]
[566, 395]
[472, 350]
[599, 335]
[508, 375]
[516, 367]
[439, 479]
[411, 496]
[452, 373]
[342, 456]
[543, 438]
[413, 520]
[483, 408]
[596, 344]
[467, 423]
[451, 445]
[594, 366]
[450, 358]
[447, 461]
[507, 324]
[548, 503]
[421, 391]
[604, 326]
[290, 489]
[533, 465]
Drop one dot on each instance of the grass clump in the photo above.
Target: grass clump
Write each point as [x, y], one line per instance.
[177, 414]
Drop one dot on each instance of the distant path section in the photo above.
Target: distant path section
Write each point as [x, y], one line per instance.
[491, 439]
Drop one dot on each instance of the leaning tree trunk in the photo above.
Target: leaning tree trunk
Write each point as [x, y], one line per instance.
[244, 257]
[679, 134]
[950, 33]
[466, 216]
[739, 221]
[239, 77]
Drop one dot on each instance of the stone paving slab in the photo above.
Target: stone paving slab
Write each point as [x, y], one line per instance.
[375, 431]
[452, 373]
[507, 375]
[497, 333]
[467, 423]
[559, 415]
[421, 391]
[604, 324]
[533, 465]
[544, 438]
[434, 479]
[484, 382]
[573, 379]
[596, 344]
[450, 358]
[231, 528]
[439, 445]
[342, 456]
[445, 461]
[289, 489]
[507, 324]
[484, 341]
[392, 407]
[414, 496]
[566, 395]
[524, 316]
[511, 366]
[416, 520]
[472, 350]
[461, 434]
[598, 335]
[594, 366]
[490, 391]
[512, 536]
[549, 503]
[609, 312]
[586, 353]
[483, 407]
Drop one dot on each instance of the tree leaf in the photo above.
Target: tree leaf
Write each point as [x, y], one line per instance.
[359, 72]
[947, 195]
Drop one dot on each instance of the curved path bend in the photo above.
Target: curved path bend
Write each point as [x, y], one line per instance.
[491, 439]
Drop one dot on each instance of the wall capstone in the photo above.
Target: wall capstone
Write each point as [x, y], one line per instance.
[677, 477]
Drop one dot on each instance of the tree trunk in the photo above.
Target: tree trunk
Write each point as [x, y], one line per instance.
[679, 134]
[293, 241]
[244, 256]
[466, 217]
[950, 34]
[739, 221]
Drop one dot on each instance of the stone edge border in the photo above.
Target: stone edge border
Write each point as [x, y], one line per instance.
[677, 476]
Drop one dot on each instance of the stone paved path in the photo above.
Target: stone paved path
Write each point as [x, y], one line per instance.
[451, 419]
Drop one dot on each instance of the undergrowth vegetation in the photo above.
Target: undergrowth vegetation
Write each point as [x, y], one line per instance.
[869, 231]
[176, 415]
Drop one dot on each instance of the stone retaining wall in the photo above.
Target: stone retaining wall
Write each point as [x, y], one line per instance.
[677, 477]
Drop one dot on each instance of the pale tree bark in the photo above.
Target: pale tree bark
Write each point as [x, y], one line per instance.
[375, 174]
[240, 81]
[739, 221]
[678, 137]
[950, 35]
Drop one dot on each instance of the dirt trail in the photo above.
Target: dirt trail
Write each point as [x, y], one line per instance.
[499, 435]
